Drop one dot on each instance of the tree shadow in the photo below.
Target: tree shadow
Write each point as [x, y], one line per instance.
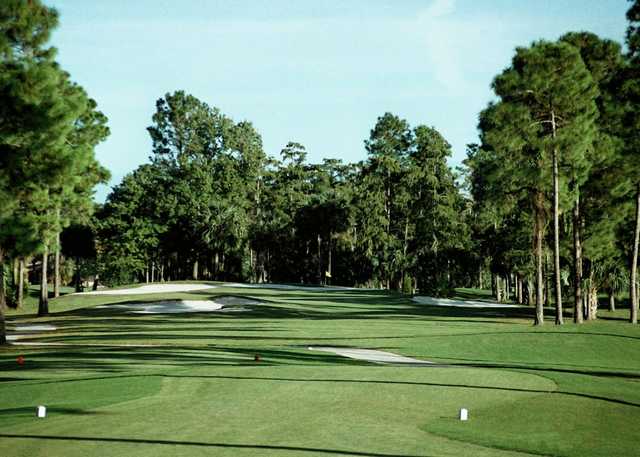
[264, 447]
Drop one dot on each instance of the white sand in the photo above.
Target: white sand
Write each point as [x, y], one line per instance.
[35, 328]
[289, 287]
[167, 307]
[461, 303]
[370, 355]
[184, 306]
[22, 331]
[152, 289]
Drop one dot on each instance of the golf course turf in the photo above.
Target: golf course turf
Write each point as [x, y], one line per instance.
[120, 383]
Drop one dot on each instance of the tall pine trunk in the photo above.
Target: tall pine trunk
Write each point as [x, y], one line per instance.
[330, 261]
[633, 318]
[3, 301]
[577, 266]
[537, 240]
[43, 304]
[556, 228]
[56, 268]
[319, 259]
[20, 288]
[195, 269]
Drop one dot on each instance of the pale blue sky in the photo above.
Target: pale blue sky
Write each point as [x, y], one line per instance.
[318, 72]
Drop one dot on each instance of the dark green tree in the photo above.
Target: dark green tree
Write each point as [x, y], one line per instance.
[548, 95]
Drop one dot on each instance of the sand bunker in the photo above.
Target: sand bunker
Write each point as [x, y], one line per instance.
[370, 355]
[461, 303]
[25, 331]
[289, 287]
[184, 306]
[152, 289]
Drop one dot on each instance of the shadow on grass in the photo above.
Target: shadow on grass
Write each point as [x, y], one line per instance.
[30, 411]
[337, 306]
[322, 305]
[369, 382]
[120, 360]
[264, 447]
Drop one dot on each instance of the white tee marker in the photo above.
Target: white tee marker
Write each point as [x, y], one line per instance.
[41, 411]
[464, 414]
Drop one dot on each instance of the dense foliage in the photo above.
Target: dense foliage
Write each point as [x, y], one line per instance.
[212, 204]
[549, 206]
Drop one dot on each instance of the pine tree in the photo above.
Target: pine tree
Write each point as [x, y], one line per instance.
[38, 107]
[595, 215]
[388, 147]
[632, 143]
[548, 109]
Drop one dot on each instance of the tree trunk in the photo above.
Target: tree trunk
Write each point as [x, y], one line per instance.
[96, 281]
[519, 297]
[577, 264]
[153, 271]
[43, 304]
[330, 262]
[547, 279]
[493, 286]
[146, 274]
[15, 271]
[20, 289]
[633, 318]
[529, 292]
[78, 276]
[612, 300]
[3, 330]
[538, 234]
[593, 303]
[499, 288]
[56, 268]
[195, 270]
[3, 302]
[556, 228]
[252, 265]
[320, 275]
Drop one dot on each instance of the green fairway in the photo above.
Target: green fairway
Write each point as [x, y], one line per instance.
[130, 384]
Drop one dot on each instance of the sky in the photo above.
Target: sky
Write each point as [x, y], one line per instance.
[318, 72]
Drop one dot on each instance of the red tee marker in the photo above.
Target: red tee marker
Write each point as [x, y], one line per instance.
[20, 360]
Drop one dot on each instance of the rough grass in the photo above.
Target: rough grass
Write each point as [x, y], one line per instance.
[190, 385]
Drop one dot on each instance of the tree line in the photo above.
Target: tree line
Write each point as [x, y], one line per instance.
[211, 204]
[546, 205]
[555, 179]
[49, 127]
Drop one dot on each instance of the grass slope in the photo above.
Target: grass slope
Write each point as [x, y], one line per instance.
[143, 385]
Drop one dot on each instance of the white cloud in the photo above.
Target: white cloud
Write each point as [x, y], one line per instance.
[440, 32]
[439, 8]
